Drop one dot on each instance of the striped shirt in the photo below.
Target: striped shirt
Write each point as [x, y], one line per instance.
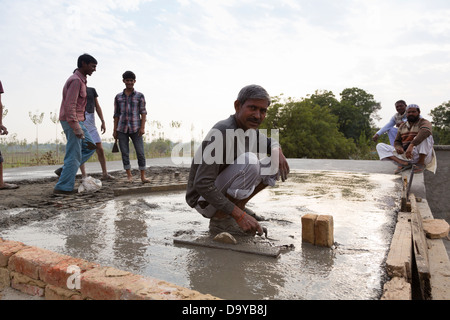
[74, 100]
[129, 109]
[413, 133]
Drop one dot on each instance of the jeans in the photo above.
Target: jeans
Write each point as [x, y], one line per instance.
[138, 142]
[77, 153]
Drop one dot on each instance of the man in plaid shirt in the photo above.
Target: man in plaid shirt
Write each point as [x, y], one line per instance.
[129, 123]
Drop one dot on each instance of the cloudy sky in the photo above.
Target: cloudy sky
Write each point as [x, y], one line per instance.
[192, 57]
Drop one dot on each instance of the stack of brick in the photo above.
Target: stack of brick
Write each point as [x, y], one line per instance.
[44, 273]
[318, 229]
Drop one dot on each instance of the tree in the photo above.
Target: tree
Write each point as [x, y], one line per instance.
[307, 129]
[441, 123]
[37, 120]
[55, 119]
[355, 113]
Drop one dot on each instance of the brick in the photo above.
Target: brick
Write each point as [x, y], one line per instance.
[31, 260]
[107, 283]
[324, 233]
[58, 274]
[396, 289]
[57, 293]
[27, 285]
[7, 249]
[4, 278]
[308, 223]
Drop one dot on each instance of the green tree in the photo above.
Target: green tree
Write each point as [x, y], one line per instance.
[307, 129]
[355, 113]
[441, 123]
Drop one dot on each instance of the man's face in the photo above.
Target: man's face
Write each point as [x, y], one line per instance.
[129, 83]
[89, 68]
[251, 114]
[400, 107]
[413, 114]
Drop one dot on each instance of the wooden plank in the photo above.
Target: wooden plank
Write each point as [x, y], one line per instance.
[404, 191]
[420, 249]
[398, 263]
[438, 260]
[262, 249]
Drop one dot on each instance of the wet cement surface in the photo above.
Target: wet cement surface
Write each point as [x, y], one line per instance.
[136, 233]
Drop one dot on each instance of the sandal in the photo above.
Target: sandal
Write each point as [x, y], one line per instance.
[419, 168]
[402, 168]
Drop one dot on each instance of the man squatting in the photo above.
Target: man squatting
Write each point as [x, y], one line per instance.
[220, 190]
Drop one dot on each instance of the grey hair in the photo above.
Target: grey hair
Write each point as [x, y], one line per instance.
[253, 91]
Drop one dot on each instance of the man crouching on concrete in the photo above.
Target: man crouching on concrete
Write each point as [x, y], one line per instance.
[413, 146]
[225, 175]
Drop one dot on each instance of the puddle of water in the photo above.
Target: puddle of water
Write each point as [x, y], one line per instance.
[136, 234]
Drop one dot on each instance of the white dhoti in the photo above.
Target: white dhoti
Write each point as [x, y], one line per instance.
[426, 147]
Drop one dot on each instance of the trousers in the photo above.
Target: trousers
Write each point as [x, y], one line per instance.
[77, 153]
[124, 145]
[239, 180]
[426, 147]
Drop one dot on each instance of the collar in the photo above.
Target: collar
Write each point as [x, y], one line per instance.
[132, 93]
[81, 76]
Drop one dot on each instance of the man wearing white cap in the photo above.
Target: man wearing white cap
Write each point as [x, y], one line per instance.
[413, 145]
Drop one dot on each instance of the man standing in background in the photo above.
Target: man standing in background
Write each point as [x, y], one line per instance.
[79, 147]
[129, 123]
[93, 107]
[3, 131]
[392, 126]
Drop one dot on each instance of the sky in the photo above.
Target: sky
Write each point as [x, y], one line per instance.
[191, 57]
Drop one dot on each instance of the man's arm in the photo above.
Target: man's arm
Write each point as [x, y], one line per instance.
[70, 106]
[425, 130]
[116, 117]
[142, 128]
[386, 127]
[3, 130]
[100, 115]
[283, 165]
[143, 112]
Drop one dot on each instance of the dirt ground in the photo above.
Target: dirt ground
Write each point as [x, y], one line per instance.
[37, 197]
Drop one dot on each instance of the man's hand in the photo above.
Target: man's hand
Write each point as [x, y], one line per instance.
[79, 133]
[409, 151]
[3, 130]
[141, 131]
[375, 138]
[103, 127]
[246, 222]
[399, 150]
[283, 166]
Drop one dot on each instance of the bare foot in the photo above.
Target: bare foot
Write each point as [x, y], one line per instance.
[145, 180]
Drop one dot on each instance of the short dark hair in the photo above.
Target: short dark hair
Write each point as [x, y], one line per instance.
[128, 75]
[86, 58]
[402, 102]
